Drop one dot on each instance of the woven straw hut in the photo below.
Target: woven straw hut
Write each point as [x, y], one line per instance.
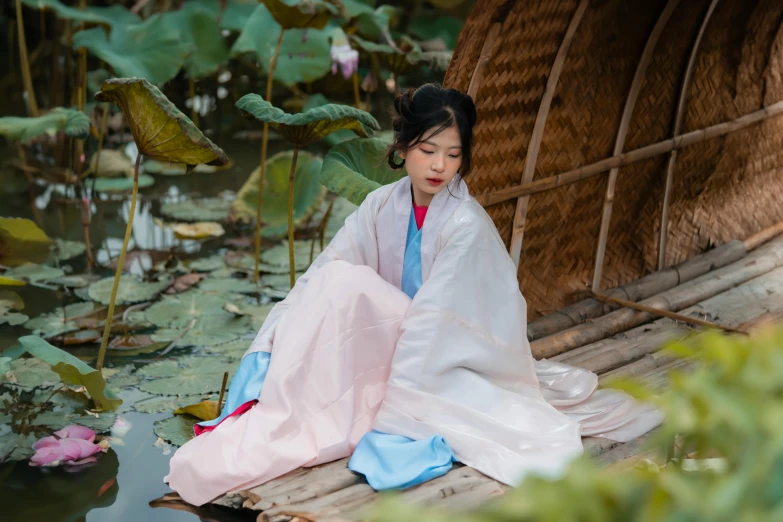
[680, 97]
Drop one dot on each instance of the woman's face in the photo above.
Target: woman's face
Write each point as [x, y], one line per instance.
[433, 163]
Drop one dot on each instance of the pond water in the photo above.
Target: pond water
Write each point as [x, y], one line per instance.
[126, 478]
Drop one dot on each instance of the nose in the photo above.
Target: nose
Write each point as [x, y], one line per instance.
[437, 163]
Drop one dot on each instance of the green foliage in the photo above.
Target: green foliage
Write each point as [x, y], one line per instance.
[355, 168]
[72, 122]
[294, 14]
[188, 375]
[122, 184]
[200, 30]
[110, 16]
[21, 241]
[177, 429]
[732, 407]
[203, 209]
[129, 291]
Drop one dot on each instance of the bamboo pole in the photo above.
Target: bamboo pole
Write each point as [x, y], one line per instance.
[518, 230]
[24, 61]
[642, 153]
[762, 237]
[642, 288]
[759, 262]
[622, 132]
[676, 131]
[481, 63]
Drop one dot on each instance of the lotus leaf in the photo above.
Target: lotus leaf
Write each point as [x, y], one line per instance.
[11, 301]
[69, 408]
[164, 403]
[133, 345]
[176, 430]
[370, 23]
[112, 163]
[295, 14]
[278, 284]
[122, 184]
[129, 291]
[340, 211]
[447, 28]
[304, 53]
[72, 122]
[319, 100]
[207, 264]
[73, 371]
[232, 350]
[208, 330]
[35, 273]
[75, 281]
[160, 130]
[257, 313]
[136, 50]
[306, 127]
[355, 168]
[65, 249]
[177, 311]
[278, 255]
[204, 209]
[188, 375]
[274, 208]
[12, 318]
[112, 15]
[122, 377]
[29, 372]
[199, 230]
[228, 284]
[15, 447]
[57, 322]
[199, 28]
[174, 169]
[21, 241]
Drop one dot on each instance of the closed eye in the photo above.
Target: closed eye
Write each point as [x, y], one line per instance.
[454, 156]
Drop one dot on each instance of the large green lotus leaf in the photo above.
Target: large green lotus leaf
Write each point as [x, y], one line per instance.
[307, 127]
[199, 28]
[29, 372]
[111, 16]
[207, 264]
[274, 208]
[122, 377]
[295, 14]
[21, 241]
[122, 184]
[73, 371]
[203, 209]
[177, 311]
[35, 273]
[407, 57]
[188, 375]
[447, 28]
[278, 255]
[355, 168]
[154, 49]
[304, 54]
[65, 249]
[160, 130]
[176, 430]
[370, 23]
[57, 323]
[228, 284]
[72, 122]
[319, 100]
[208, 330]
[129, 290]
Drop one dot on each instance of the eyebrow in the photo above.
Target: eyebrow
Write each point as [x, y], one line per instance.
[434, 145]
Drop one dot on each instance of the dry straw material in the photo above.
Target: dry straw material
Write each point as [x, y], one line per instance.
[723, 188]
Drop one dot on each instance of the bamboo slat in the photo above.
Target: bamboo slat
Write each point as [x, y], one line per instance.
[486, 54]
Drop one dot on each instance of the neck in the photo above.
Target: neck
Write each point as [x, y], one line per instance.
[420, 198]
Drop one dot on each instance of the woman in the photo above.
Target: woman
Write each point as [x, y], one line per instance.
[404, 345]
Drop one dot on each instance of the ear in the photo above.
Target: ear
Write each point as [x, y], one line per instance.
[402, 154]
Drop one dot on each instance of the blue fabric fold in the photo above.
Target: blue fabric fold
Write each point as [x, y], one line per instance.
[393, 461]
[245, 386]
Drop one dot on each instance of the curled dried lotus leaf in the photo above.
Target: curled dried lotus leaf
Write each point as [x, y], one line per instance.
[160, 130]
[21, 241]
[204, 410]
[304, 128]
[199, 230]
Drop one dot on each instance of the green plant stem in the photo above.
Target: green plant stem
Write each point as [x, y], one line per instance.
[102, 132]
[264, 142]
[25, 62]
[120, 264]
[192, 94]
[357, 100]
[292, 265]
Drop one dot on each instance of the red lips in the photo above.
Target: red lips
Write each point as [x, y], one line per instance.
[434, 181]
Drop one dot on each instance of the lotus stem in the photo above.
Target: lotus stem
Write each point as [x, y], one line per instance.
[102, 132]
[86, 220]
[192, 93]
[356, 98]
[120, 264]
[222, 393]
[292, 266]
[25, 62]
[264, 142]
[30, 184]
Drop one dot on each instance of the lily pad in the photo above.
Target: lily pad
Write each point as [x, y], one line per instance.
[21, 241]
[73, 371]
[15, 447]
[11, 301]
[110, 164]
[304, 53]
[355, 168]
[207, 264]
[72, 122]
[57, 322]
[206, 331]
[177, 311]
[65, 249]
[257, 313]
[122, 377]
[134, 50]
[29, 372]
[188, 375]
[274, 208]
[175, 169]
[35, 273]
[122, 184]
[133, 345]
[277, 285]
[229, 284]
[159, 129]
[278, 255]
[129, 290]
[176, 430]
[204, 209]
[307, 127]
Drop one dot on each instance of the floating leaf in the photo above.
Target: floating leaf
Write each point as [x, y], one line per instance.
[204, 209]
[111, 16]
[65, 249]
[177, 430]
[304, 128]
[207, 264]
[204, 410]
[206, 331]
[165, 403]
[177, 311]
[129, 290]
[132, 345]
[135, 50]
[355, 168]
[160, 130]
[278, 255]
[175, 169]
[122, 377]
[304, 53]
[75, 281]
[78, 337]
[72, 371]
[57, 322]
[198, 230]
[35, 273]
[122, 184]
[16, 447]
[278, 285]
[21, 241]
[229, 284]
[72, 122]
[111, 163]
[184, 283]
[257, 313]
[188, 375]
[29, 372]
[232, 350]
[274, 208]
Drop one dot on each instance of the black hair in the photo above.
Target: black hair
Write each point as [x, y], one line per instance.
[431, 105]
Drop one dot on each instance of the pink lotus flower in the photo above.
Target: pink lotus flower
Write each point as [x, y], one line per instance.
[72, 445]
[346, 58]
